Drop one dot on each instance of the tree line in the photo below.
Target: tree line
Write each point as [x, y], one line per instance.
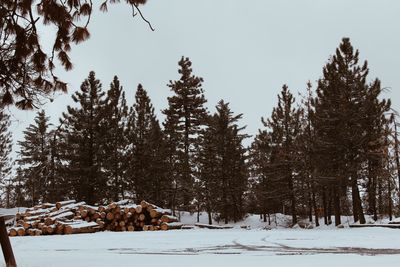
[333, 153]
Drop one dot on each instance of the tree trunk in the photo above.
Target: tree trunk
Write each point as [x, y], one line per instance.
[396, 150]
[325, 206]
[357, 205]
[336, 200]
[390, 199]
[310, 206]
[315, 206]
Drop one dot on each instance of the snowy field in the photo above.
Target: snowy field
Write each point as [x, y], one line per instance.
[203, 247]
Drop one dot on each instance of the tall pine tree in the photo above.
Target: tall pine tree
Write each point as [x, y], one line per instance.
[84, 131]
[223, 172]
[146, 153]
[34, 159]
[114, 141]
[185, 119]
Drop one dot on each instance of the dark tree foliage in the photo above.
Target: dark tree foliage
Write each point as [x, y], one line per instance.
[262, 175]
[284, 128]
[344, 115]
[84, 131]
[114, 142]
[146, 155]
[223, 169]
[34, 160]
[185, 118]
[26, 70]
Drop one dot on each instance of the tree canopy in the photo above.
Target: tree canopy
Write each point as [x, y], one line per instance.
[26, 69]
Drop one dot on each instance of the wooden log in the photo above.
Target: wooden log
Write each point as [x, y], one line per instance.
[95, 216]
[73, 206]
[170, 226]
[38, 232]
[21, 231]
[142, 217]
[80, 228]
[18, 216]
[131, 228]
[50, 229]
[64, 203]
[65, 215]
[101, 209]
[208, 226]
[146, 227]
[117, 215]
[36, 212]
[84, 213]
[40, 225]
[30, 231]
[110, 216]
[394, 226]
[12, 232]
[139, 209]
[48, 205]
[49, 221]
[59, 229]
[169, 219]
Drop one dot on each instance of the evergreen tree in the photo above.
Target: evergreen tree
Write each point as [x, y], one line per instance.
[34, 159]
[224, 172]
[57, 170]
[114, 140]
[343, 110]
[284, 126]
[147, 151]
[83, 130]
[185, 119]
[262, 173]
[307, 155]
[5, 161]
[375, 154]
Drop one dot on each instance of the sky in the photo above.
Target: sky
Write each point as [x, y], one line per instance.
[244, 50]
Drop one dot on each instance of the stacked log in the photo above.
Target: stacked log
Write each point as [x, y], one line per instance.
[71, 217]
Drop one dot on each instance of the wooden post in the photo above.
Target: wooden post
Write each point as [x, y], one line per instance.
[5, 243]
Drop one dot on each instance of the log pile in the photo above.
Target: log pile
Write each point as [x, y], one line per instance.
[71, 217]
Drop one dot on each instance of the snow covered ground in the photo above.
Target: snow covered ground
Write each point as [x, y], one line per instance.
[203, 247]
[279, 246]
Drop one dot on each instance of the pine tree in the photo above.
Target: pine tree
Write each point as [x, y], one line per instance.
[185, 119]
[147, 151]
[5, 161]
[57, 170]
[284, 126]
[114, 140]
[34, 159]
[375, 152]
[307, 155]
[262, 173]
[341, 121]
[83, 130]
[224, 171]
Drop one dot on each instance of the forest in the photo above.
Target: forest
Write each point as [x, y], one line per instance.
[330, 152]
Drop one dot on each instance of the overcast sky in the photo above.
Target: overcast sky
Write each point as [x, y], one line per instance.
[244, 50]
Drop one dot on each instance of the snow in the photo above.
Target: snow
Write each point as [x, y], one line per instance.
[257, 245]
[203, 247]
